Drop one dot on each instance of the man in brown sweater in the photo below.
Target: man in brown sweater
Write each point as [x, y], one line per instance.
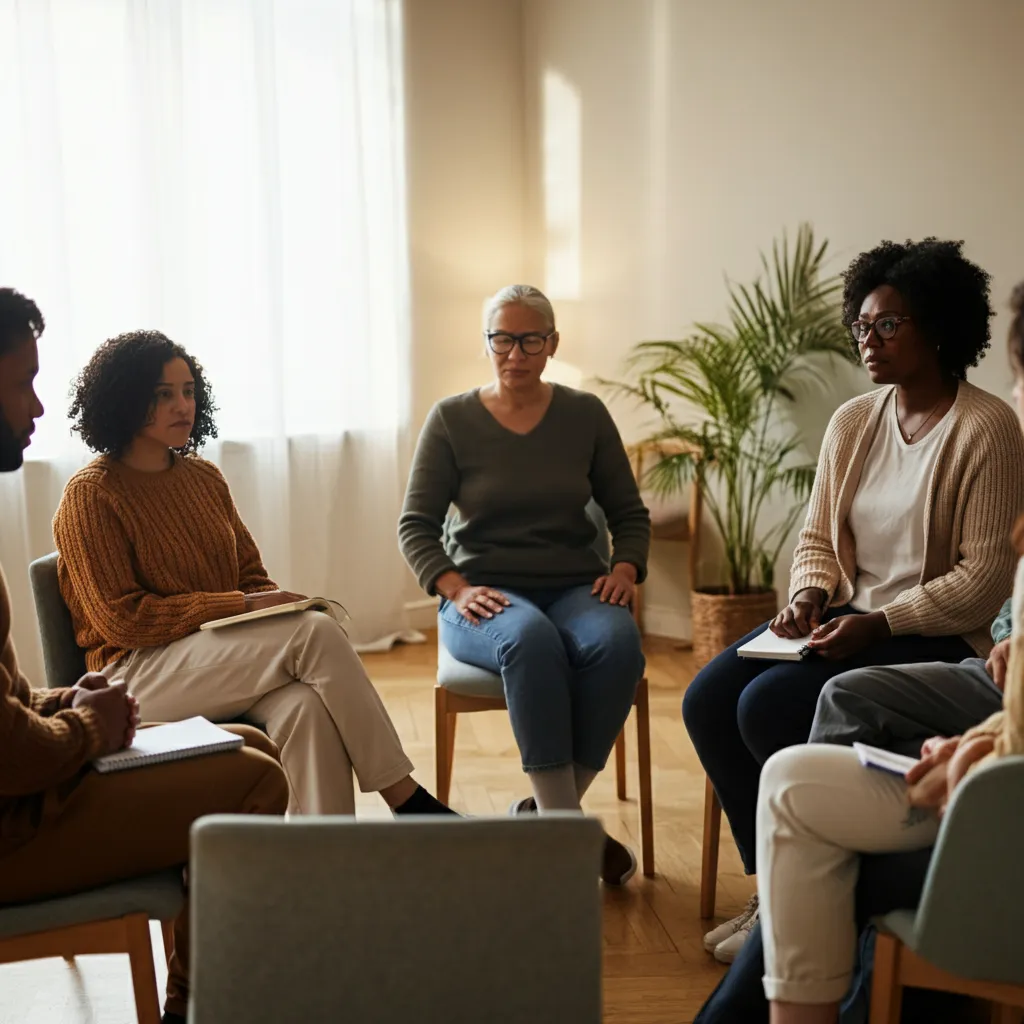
[63, 827]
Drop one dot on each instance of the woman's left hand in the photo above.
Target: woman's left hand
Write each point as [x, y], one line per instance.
[967, 754]
[936, 787]
[619, 586]
[845, 636]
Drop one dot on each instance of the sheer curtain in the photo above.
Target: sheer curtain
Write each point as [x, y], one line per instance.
[229, 172]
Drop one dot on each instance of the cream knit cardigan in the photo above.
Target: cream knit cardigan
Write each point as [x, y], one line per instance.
[975, 495]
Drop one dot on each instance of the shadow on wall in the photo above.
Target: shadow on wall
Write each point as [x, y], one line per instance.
[811, 414]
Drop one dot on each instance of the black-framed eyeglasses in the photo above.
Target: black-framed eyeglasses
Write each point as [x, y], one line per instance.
[885, 328]
[501, 342]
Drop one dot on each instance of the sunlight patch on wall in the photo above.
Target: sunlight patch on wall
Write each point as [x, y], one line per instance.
[562, 187]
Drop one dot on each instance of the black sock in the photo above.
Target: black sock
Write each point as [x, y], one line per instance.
[421, 802]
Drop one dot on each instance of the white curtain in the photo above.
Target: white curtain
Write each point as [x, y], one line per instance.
[229, 172]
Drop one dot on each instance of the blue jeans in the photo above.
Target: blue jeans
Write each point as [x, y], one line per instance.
[738, 712]
[570, 666]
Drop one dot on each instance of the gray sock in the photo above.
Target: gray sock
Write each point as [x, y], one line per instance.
[555, 789]
[584, 777]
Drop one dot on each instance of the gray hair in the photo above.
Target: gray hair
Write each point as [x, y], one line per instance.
[519, 295]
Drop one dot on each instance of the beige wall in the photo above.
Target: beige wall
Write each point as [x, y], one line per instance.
[704, 129]
[464, 112]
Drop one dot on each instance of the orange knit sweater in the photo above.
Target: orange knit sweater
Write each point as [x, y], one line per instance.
[43, 743]
[146, 558]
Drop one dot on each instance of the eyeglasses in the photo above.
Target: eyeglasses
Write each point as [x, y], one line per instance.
[501, 343]
[885, 328]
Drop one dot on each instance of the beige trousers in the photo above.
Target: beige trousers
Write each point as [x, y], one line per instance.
[818, 809]
[298, 677]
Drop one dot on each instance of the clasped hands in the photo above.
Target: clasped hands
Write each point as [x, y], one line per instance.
[836, 639]
[116, 709]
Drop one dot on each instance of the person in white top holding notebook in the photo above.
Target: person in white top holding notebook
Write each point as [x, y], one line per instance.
[810, 853]
[905, 554]
[151, 548]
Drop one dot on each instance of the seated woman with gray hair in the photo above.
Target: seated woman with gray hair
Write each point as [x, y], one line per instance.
[523, 591]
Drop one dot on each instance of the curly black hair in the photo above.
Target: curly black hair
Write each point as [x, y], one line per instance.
[947, 295]
[111, 399]
[1017, 325]
[19, 316]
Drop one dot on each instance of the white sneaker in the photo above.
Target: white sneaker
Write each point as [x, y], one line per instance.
[526, 805]
[717, 936]
[727, 951]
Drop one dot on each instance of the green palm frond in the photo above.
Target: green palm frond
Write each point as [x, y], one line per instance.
[725, 392]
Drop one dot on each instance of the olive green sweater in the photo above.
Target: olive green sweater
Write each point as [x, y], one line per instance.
[521, 498]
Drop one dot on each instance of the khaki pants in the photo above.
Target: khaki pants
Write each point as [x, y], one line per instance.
[117, 826]
[297, 676]
[818, 810]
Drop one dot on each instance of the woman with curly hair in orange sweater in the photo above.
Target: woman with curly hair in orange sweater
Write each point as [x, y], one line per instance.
[151, 546]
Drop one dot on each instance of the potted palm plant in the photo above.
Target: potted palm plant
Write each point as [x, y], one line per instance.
[722, 399]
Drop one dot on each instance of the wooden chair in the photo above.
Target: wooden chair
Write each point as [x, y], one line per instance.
[709, 850]
[964, 936]
[463, 689]
[680, 523]
[111, 919]
[677, 524]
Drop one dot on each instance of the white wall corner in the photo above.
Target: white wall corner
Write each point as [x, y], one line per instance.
[422, 613]
[667, 621]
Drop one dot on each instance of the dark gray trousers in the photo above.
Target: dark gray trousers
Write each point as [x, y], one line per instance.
[898, 707]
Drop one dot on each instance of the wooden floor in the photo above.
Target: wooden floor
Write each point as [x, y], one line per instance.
[656, 970]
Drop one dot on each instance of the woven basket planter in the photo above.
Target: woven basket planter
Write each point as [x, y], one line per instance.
[720, 619]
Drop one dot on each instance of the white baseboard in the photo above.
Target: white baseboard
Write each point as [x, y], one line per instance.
[668, 621]
[422, 614]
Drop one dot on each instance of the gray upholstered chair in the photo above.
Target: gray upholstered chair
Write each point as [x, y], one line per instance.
[111, 919]
[431, 919]
[965, 934]
[63, 659]
[463, 689]
[130, 904]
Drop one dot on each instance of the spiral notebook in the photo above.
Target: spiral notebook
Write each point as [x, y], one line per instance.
[769, 647]
[191, 738]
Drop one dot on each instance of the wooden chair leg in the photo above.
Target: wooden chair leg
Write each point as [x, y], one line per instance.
[167, 929]
[709, 851]
[140, 954]
[643, 754]
[452, 720]
[620, 764]
[886, 987]
[442, 745]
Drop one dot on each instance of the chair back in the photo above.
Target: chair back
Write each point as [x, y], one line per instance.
[426, 919]
[63, 659]
[969, 918]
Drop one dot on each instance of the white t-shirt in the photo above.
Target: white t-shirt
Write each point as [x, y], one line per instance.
[887, 515]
